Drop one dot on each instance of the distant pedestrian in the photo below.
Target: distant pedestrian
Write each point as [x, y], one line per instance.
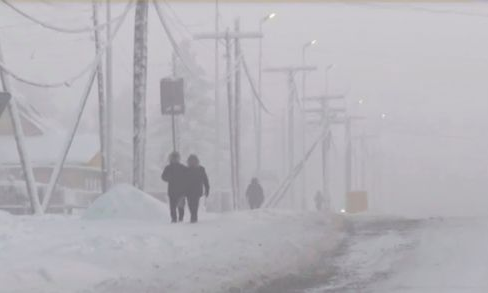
[197, 185]
[175, 175]
[319, 200]
[255, 194]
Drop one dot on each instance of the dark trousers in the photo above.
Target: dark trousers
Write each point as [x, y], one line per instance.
[193, 201]
[253, 205]
[177, 208]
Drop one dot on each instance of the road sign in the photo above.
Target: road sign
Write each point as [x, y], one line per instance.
[172, 96]
[4, 100]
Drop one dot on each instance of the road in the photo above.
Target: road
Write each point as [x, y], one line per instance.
[392, 255]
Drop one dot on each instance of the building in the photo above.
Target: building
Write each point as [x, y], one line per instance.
[80, 177]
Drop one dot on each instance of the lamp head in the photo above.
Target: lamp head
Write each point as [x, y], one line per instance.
[268, 17]
[310, 43]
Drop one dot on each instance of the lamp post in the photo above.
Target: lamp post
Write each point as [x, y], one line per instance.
[256, 109]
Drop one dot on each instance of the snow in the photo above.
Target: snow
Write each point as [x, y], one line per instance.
[394, 255]
[126, 202]
[66, 254]
[5, 218]
[450, 257]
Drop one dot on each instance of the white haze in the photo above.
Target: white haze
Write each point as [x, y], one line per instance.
[426, 70]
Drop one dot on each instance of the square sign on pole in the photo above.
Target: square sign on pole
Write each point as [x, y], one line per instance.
[172, 96]
[4, 100]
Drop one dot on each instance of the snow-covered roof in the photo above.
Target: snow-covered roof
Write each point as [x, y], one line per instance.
[46, 149]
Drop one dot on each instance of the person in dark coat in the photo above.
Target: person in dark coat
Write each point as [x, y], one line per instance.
[197, 185]
[319, 200]
[175, 175]
[255, 194]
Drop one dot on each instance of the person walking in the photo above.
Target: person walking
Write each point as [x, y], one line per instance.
[175, 175]
[255, 194]
[197, 185]
[319, 200]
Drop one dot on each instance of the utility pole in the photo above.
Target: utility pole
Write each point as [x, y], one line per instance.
[237, 109]
[303, 121]
[217, 147]
[348, 158]
[20, 142]
[292, 97]
[257, 110]
[109, 112]
[232, 104]
[140, 79]
[102, 106]
[328, 117]
[230, 107]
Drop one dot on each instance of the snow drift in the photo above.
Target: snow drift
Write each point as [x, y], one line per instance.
[125, 202]
[53, 254]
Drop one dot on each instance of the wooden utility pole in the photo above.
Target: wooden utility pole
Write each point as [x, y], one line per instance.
[139, 105]
[230, 107]
[292, 96]
[109, 84]
[102, 105]
[217, 103]
[20, 142]
[237, 110]
[233, 103]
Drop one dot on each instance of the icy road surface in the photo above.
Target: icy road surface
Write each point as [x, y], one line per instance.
[388, 255]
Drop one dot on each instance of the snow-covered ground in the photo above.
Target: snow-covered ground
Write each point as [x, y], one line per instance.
[105, 252]
[124, 243]
[391, 255]
[450, 256]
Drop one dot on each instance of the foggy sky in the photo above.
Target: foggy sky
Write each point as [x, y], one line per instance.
[427, 70]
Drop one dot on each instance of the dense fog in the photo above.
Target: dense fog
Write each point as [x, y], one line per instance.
[416, 74]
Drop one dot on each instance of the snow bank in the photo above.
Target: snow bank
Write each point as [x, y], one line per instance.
[125, 202]
[5, 219]
[5, 216]
[219, 254]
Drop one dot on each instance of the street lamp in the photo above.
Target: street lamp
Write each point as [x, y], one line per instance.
[304, 49]
[258, 112]
[268, 17]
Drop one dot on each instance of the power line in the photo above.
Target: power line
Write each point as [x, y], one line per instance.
[420, 9]
[89, 67]
[251, 83]
[177, 18]
[58, 28]
[171, 38]
[285, 185]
